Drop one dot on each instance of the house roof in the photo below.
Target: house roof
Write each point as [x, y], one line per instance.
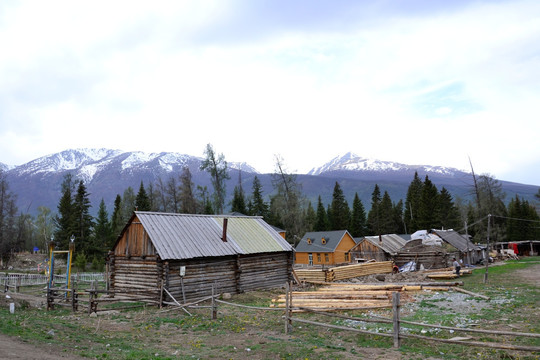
[456, 240]
[390, 243]
[332, 238]
[183, 236]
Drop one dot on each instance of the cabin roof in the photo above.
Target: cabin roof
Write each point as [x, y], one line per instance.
[458, 241]
[186, 236]
[389, 243]
[332, 240]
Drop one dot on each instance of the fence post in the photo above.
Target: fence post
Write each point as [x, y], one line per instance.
[288, 301]
[395, 310]
[214, 304]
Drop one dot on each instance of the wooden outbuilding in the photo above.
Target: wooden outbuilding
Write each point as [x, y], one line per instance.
[188, 254]
[325, 248]
[379, 248]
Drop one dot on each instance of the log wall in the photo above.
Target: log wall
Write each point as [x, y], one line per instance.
[142, 277]
[136, 276]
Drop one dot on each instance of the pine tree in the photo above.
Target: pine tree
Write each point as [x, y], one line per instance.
[398, 217]
[358, 218]
[374, 219]
[412, 204]
[448, 216]
[142, 202]
[117, 223]
[65, 219]
[321, 224]
[386, 215]
[83, 220]
[311, 218]
[8, 212]
[429, 206]
[340, 210]
[258, 206]
[239, 200]
[102, 238]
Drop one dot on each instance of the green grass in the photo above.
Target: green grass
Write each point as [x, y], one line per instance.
[239, 333]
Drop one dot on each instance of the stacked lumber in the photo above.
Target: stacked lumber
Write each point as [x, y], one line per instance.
[344, 272]
[354, 296]
[448, 274]
[313, 275]
[352, 271]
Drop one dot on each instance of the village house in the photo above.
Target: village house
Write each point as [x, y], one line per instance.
[325, 248]
[188, 254]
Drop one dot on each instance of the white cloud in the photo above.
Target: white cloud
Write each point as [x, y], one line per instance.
[177, 75]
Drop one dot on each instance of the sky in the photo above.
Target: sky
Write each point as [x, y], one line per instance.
[431, 82]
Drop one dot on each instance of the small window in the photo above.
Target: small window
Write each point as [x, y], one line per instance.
[326, 259]
[309, 241]
[318, 258]
[323, 240]
[347, 257]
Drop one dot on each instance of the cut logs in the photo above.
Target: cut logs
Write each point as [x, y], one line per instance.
[340, 296]
[343, 272]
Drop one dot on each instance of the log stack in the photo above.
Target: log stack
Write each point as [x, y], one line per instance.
[344, 272]
[354, 296]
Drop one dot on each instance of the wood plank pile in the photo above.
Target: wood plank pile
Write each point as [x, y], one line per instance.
[353, 296]
[352, 271]
[344, 272]
[448, 273]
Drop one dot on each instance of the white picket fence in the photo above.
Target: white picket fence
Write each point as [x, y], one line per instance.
[15, 279]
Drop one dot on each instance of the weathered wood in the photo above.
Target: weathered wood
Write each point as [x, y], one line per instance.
[395, 313]
[471, 293]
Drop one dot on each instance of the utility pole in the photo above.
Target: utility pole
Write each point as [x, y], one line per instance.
[487, 249]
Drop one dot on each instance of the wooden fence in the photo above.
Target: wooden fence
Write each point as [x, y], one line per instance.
[16, 280]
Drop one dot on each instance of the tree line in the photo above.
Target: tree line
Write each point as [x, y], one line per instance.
[425, 207]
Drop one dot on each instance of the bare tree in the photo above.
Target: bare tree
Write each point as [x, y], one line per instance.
[216, 166]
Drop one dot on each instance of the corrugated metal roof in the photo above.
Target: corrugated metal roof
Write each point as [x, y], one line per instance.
[456, 240]
[183, 236]
[391, 243]
[332, 239]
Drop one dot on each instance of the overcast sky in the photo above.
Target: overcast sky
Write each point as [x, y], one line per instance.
[418, 82]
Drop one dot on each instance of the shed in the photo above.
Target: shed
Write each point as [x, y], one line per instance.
[379, 248]
[466, 249]
[187, 254]
[325, 248]
[427, 256]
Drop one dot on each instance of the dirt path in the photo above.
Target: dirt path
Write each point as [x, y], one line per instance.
[15, 349]
[531, 275]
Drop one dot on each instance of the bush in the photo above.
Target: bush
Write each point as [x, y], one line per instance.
[80, 261]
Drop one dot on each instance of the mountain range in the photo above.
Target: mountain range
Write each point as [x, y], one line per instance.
[107, 173]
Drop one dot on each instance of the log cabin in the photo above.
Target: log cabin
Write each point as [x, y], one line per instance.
[188, 254]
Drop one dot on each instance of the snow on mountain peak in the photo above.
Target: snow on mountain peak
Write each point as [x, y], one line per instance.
[353, 162]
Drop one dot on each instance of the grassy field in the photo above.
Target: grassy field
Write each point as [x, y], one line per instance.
[151, 333]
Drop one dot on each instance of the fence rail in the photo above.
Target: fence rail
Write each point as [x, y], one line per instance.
[17, 279]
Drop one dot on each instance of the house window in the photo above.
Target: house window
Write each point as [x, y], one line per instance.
[323, 240]
[318, 258]
[326, 259]
[310, 259]
[309, 241]
[347, 257]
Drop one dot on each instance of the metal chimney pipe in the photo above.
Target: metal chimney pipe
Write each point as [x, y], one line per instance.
[224, 237]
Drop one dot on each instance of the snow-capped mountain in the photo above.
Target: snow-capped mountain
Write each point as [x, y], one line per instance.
[85, 164]
[355, 163]
[108, 173]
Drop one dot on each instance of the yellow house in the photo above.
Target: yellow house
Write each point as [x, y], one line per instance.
[325, 248]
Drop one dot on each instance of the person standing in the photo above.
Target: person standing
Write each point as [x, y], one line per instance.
[457, 266]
